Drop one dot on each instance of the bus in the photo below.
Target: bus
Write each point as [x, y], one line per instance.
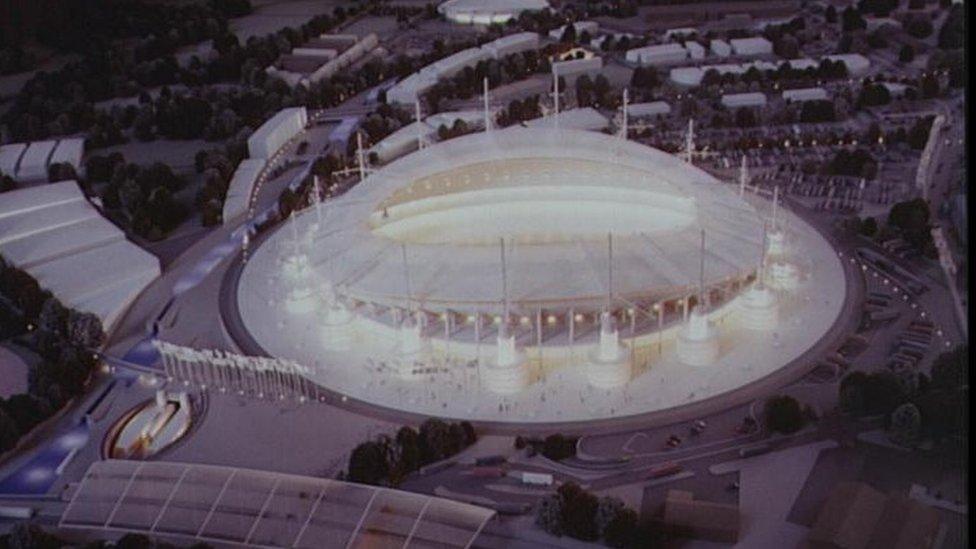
[490, 460]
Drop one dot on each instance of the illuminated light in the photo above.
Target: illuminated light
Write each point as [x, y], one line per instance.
[551, 319]
[470, 319]
[578, 317]
[497, 320]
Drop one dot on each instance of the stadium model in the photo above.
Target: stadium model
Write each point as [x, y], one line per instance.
[540, 275]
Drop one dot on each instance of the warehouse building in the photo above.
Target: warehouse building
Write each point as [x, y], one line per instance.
[654, 108]
[751, 47]
[720, 48]
[805, 94]
[695, 50]
[589, 26]
[739, 100]
[276, 131]
[576, 67]
[661, 54]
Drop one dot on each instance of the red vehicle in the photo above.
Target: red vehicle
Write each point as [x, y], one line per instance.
[488, 472]
[663, 470]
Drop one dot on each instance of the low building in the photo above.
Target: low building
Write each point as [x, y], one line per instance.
[740, 100]
[654, 108]
[720, 48]
[699, 519]
[268, 139]
[487, 12]
[576, 67]
[856, 63]
[856, 516]
[805, 94]
[404, 140]
[410, 88]
[895, 89]
[695, 50]
[751, 47]
[590, 27]
[680, 31]
[513, 43]
[661, 54]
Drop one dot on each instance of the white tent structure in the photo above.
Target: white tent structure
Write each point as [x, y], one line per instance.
[10, 157]
[33, 165]
[57, 236]
[241, 186]
[267, 140]
[737, 100]
[69, 151]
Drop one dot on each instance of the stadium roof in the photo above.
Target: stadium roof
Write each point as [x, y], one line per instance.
[556, 194]
[263, 509]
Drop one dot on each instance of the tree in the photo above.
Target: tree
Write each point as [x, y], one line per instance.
[950, 369]
[906, 54]
[9, 432]
[919, 27]
[579, 512]
[745, 118]
[783, 414]
[408, 442]
[435, 440]
[557, 447]
[84, 330]
[549, 514]
[830, 14]
[607, 510]
[134, 541]
[25, 535]
[952, 35]
[851, 20]
[569, 34]
[368, 464]
[905, 424]
[622, 529]
[869, 227]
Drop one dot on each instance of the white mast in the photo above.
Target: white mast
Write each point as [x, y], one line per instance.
[406, 275]
[420, 128]
[743, 177]
[701, 274]
[487, 110]
[555, 96]
[360, 156]
[775, 204]
[762, 258]
[690, 141]
[609, 270]
[624, 127]
[318, 201]
[503, 325]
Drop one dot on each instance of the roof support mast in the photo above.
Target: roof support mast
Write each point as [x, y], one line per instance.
[361, 156]
[503, 325]
[743, 177]
[487, 109]
[555, 96]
